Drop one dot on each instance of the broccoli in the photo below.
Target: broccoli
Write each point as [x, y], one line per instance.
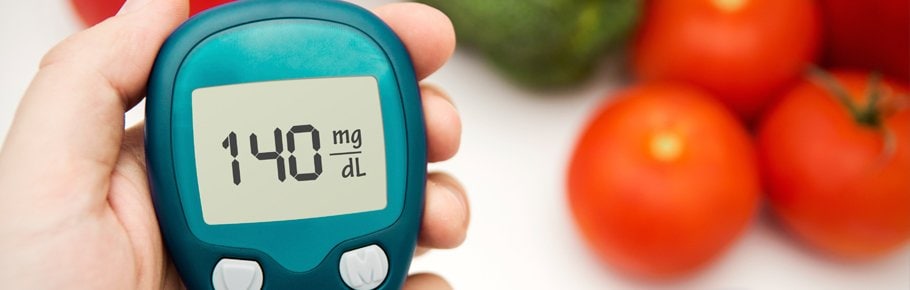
[541, 43]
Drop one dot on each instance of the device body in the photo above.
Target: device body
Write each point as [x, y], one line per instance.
[296, 212]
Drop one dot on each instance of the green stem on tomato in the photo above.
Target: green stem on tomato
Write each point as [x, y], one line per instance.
[868, 115]
[871, 115]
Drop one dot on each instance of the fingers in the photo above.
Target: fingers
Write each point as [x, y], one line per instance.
[426, 32]
[426, 281]
[430, 39]
[420, 251]
[446, 215]
[72, 113]
[443, 124]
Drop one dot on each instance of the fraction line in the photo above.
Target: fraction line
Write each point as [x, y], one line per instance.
[345, 153]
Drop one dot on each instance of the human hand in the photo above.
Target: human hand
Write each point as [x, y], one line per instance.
[75, 210]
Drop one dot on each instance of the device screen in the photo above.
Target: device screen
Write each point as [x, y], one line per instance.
[289, 150]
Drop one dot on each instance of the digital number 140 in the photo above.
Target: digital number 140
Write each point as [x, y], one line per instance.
[230, 143]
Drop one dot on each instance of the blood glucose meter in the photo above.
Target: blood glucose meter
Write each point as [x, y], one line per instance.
[286, 148]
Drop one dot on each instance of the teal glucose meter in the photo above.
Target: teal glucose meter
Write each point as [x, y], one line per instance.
[286, 148]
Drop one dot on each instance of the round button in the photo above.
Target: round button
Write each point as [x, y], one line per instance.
[232, 274]
[364, 268]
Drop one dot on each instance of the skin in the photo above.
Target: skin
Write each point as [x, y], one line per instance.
[77, 214]
[94, 11]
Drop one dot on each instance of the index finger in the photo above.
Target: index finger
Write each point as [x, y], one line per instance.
[426, 32]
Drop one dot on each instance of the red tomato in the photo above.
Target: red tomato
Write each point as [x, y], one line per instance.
[869, 34]
[94, 11]
[742, 51]
[663, 180]
[840, 185]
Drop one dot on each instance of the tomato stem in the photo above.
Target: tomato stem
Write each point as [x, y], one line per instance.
[868, 115]
[871, 115]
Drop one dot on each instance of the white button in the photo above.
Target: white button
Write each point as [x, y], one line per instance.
[231, 274]
[364, 268]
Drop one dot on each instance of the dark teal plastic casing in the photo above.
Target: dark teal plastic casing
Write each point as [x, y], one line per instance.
[271, 40]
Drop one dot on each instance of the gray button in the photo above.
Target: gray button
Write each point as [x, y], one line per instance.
[231, 274]
[364, 268]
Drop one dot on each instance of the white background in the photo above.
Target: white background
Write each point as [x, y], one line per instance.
[514, 151]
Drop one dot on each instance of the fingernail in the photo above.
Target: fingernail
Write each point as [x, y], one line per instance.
[132, 5]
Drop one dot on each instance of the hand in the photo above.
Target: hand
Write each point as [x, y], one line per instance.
[75, 210]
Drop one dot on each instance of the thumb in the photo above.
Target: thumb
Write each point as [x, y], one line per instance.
[68, 127]
[122, 49]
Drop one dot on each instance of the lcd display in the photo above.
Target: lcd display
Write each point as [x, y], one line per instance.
[289, 150]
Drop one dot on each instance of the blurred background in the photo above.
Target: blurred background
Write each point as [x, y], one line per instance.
[522, 120]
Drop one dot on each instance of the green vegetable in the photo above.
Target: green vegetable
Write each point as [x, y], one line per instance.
[541, 43]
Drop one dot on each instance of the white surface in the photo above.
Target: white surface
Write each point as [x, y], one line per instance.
[512, 161]
[232, 274]
[364, 268]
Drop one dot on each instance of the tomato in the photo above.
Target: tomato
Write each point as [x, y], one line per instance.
[663, 180]
[838, 181]
[742, 51]
[94, 11]
[870, 34]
